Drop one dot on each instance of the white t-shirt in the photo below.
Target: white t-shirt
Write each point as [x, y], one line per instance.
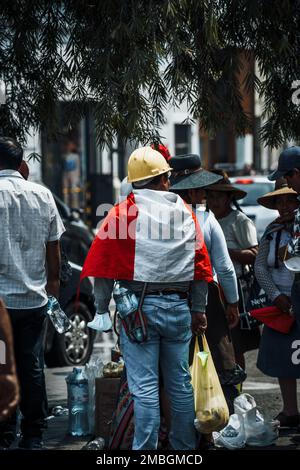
[240, 234]
[216, 246]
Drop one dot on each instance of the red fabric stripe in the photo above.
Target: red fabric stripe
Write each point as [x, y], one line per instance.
[203, 270]
[112, 257]
[122, 428]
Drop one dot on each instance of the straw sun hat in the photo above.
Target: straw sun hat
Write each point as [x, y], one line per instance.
[224, 185]
[281, 188]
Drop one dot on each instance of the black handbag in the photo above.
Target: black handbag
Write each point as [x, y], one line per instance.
[256, 299]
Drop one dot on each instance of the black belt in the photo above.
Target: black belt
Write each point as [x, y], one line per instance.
[181, 294]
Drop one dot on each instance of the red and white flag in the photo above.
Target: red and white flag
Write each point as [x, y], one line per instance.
[151, 236]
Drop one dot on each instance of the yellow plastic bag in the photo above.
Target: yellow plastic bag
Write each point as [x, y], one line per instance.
[212, 412]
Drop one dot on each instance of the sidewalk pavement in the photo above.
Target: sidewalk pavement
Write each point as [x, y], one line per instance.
[257, 385]
[264, 389]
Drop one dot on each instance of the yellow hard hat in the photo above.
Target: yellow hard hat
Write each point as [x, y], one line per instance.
[145, 163]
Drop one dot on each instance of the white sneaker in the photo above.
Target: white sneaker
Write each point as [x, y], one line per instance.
[101, 322]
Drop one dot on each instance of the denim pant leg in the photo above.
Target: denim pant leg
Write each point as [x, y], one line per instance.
[143, 380]
[174, 361]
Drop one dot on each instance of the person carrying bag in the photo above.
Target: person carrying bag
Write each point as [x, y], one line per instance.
[211, 409]
[276, 348]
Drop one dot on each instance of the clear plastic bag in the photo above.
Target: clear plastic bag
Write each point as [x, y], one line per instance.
[96, 444]
[244, 403]
[93, 369]
[259, 431]
[211, 408]
[247, 427]
[233, 435]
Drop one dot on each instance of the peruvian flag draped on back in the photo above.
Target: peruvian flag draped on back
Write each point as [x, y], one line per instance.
[152, 236]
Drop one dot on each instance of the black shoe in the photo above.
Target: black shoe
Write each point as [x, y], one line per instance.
[6, 441]
[206, 442]
[31, 443]
[296, 438]
[234, 376]
[287, 421]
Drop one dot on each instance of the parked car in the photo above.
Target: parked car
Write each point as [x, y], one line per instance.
[75, 346]
[78, 237]
[255, 186]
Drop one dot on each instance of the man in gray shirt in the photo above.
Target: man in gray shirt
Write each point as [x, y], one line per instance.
[30, 230]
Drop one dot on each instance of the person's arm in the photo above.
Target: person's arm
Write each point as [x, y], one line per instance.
[222, 263]
[102, 292]
[53, 268]
[265, 280]
[246, 236]
[9, 389]
[224, 268]
[53, 254]
[199, 292]
[244, 256]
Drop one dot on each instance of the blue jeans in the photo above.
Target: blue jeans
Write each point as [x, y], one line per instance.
[167, 349]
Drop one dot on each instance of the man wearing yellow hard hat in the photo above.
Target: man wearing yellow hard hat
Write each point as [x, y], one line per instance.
[162, 259]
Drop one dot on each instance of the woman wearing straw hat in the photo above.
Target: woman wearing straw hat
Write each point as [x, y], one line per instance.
[275, 352]
[241, 238]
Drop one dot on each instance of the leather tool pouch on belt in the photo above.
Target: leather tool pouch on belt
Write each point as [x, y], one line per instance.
[135, 323]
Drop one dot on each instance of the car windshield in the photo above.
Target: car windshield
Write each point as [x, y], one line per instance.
[254, 191]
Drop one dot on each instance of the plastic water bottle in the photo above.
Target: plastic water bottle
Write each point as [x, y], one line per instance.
[57, 316]
[126, 300]
[78, 403]
[19, 417]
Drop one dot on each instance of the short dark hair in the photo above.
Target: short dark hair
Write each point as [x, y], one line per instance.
[291, 172]
[155, 181]
[183, 193]
[152, 183]
[11, 153]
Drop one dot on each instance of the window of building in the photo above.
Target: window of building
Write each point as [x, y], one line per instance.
[182, 139]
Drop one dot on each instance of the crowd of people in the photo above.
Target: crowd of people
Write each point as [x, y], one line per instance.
[195, 281]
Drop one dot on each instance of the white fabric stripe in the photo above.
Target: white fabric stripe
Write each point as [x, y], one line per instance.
[165, 238]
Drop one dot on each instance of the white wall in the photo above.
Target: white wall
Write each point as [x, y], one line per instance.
[178, 116]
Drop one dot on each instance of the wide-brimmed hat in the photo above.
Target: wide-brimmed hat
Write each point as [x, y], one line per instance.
[188, 174]
[224, 185]
[281, 188]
